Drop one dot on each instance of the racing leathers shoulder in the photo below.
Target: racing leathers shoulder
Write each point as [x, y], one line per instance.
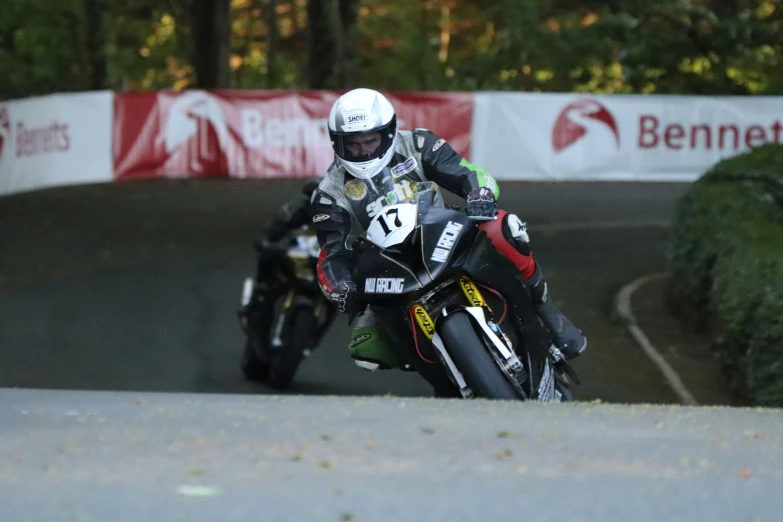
[343, 206]
[291, 215]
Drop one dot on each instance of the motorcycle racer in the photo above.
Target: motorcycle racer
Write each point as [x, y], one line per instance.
[376, 164]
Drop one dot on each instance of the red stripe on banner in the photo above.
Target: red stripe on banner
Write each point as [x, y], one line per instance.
[255, 134]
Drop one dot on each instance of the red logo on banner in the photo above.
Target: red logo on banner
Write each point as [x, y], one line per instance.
[5, 129]
[577, 118]
[254, 134]
[195, 121]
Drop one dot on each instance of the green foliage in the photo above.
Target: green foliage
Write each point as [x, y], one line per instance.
[726, 255]
[607, 46]
[41, 47]
[634, 46]
[147, 47]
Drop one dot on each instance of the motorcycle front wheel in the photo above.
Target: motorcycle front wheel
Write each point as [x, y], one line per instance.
[285, 363]
[253, 367]
[471, 357]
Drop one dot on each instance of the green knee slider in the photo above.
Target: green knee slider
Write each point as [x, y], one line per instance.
[372, 344]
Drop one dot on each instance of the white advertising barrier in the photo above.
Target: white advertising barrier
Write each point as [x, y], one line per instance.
[55, 140]
[616, 137]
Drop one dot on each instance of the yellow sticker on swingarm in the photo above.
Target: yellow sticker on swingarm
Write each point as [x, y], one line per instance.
[471, 292]
[425, 321]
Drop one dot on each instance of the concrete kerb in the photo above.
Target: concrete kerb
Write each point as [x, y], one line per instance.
[624, 310]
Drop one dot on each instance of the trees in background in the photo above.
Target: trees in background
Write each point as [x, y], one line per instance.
[625, 46]
[210, 23]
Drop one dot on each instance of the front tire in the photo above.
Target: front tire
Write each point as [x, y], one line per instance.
[477, 365]
[286, 362]
[253, 367]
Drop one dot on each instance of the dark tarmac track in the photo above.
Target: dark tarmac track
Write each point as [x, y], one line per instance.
[134, 286]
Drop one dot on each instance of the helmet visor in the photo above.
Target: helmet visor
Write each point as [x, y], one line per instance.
[364, 146]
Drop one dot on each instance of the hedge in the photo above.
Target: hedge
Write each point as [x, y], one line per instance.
[726, 259]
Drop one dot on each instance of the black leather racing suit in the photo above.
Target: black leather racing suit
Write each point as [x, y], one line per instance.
[342, 206]
[292, 215]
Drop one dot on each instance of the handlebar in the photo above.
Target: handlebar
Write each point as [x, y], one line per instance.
[474, 218]
[270, 249]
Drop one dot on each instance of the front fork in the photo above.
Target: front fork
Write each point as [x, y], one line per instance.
[499, 344]
[248, 288]
[282, 316]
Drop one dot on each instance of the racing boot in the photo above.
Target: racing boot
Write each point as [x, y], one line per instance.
[371, 347]
[567, 337]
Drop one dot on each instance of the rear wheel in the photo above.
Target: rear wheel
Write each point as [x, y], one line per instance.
[286, 362]
[567, 394]
[476, 364]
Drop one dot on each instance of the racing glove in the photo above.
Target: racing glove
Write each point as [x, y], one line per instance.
[481, 204]
[345, 296]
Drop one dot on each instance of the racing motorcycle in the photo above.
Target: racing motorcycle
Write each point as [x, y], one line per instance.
[283, 312]
[455, 306]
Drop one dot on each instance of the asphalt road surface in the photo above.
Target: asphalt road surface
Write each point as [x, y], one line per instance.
[127, 457]
[134, 286]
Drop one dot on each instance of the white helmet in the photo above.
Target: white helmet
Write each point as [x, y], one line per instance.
[363, 130]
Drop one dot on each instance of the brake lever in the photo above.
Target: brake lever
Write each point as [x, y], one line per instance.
[480, 218]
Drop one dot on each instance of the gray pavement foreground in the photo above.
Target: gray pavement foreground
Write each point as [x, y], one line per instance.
[69, 456]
